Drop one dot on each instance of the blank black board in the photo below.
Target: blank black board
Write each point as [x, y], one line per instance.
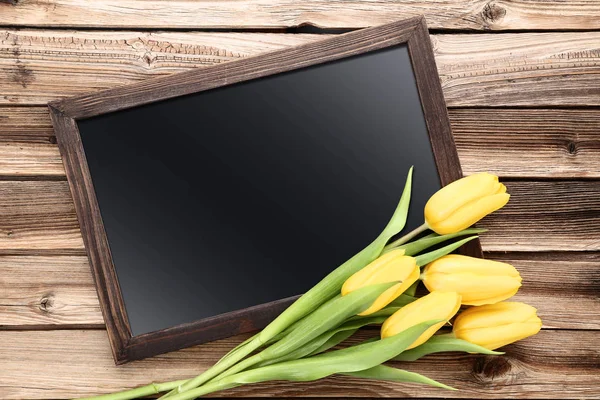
[250, 193]
[209, 199]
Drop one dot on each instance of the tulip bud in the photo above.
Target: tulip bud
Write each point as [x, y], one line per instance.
[391, 267]
[478, 281]
[434, 306]
[496, 325]
[464, 202]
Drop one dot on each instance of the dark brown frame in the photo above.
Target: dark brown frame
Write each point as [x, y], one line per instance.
[65, 113]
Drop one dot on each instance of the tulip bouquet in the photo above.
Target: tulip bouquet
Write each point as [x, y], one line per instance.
[378, 287]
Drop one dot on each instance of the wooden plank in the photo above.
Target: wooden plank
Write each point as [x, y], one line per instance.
[515, 143]
[541, 216]
[511, 69]
[47, 292]
[450, 14]
[528, 143]
[58, 292]
[23, 159]
[529, 69]
[38, 215]
[76, 363]
[546, 216]
[25, 124]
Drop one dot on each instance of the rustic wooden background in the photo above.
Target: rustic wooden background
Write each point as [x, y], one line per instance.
[522, 83]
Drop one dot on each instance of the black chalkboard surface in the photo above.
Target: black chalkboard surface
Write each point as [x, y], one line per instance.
[206, 211]
[250, 193]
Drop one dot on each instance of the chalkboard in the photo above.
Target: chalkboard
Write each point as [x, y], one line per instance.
[212, 209]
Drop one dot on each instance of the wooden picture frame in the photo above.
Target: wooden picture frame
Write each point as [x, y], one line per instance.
[65, 113]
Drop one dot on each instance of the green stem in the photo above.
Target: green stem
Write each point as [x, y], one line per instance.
[216, 369]
[247, 363]
[153, 388]
[410, 235]
[210, 387]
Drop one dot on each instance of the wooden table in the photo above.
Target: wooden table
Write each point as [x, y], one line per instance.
[523, 105]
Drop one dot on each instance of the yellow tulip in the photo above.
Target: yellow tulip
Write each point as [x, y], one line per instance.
[462, 203]
[496, 325]
[390, 267]
[478, 281]
[434, 306]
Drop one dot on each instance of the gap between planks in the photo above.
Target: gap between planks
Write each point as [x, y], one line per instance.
[483, 15]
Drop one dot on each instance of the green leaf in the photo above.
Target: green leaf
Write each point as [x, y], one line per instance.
[385, 373]
[332, 283]
[351, 359]
[426, 258]
[391, 308]
[237, 348]
[410, 249]
[402, 300]
[318, 345]
[327, 340]
[355, 358]
[333, 341]
[443, 343]
[412, 289]
[326, 317]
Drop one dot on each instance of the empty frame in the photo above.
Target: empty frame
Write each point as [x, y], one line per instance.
[208, 200]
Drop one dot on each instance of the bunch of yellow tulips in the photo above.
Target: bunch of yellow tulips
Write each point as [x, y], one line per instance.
[378, 286]
[454, 280]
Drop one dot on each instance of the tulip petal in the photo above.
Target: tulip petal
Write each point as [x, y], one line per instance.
[452, 197]
[497, 336]
[496, 325]
[392, 293]
[470, 213]
[436, 305]
[476, 289]
[456, 263]
[390, 267]
[503, 313]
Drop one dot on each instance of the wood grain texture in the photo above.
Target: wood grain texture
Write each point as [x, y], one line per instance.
[541, 216]
[514, 143]
[34, 160]
[529, 143]
[530, 69]
[47, 293]
[40, 292]
[519, 69]
[546, 216]
[447, 14]
[25, 124]
[38, 215]
[75, 363]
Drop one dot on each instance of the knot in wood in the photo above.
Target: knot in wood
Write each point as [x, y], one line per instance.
[490, 367]
[46, 302]
[493, 12]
